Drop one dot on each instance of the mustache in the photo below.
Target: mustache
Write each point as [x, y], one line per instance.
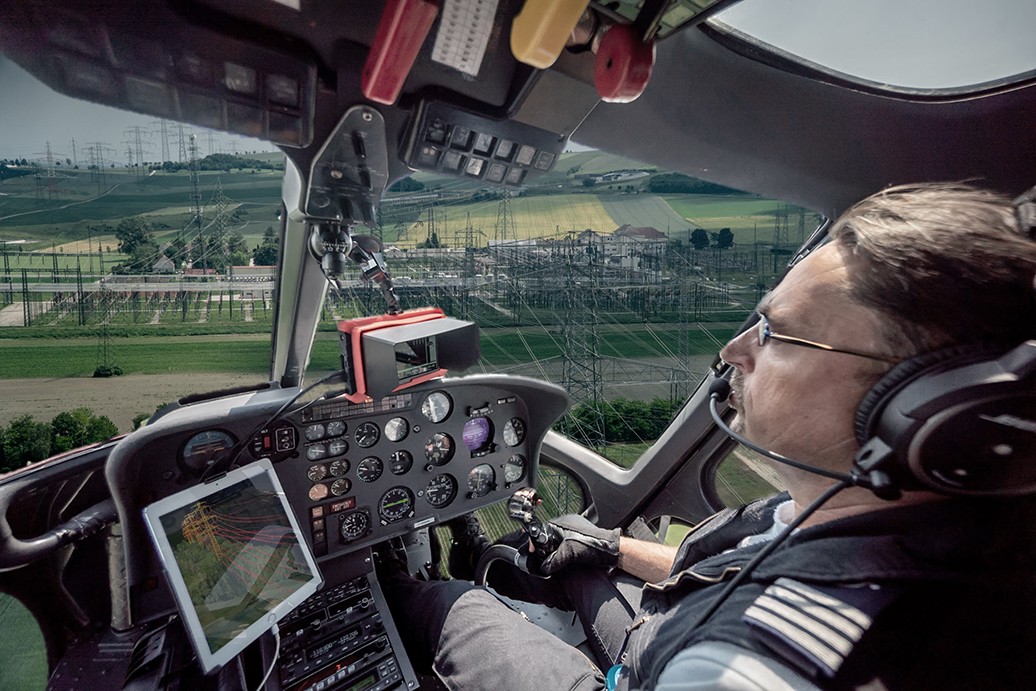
[736, 383]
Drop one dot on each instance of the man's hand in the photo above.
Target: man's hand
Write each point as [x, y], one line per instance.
[579, 542]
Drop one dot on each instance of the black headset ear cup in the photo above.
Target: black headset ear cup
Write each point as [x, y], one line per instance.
[868, 414]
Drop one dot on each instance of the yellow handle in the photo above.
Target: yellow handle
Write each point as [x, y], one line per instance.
[541, 30]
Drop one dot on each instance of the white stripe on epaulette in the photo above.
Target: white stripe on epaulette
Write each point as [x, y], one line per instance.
[817, 625]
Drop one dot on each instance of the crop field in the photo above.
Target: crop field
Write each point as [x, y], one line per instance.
[750, 218]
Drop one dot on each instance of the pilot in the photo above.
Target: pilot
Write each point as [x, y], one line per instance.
[914, 589]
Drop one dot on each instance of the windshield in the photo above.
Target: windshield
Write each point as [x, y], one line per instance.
[917, 46]
[142, 270]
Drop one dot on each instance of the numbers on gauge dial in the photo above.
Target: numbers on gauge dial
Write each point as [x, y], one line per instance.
[335, 428]
[441, 490]
[318, 492]
[316, 473]
[514, 431]
[437, 406]
[340, 467]
[314, 432]
[481, 480]
[514, 469]
[341, 486]
[400, 462]
[367, 434]
[396, 504]
[354, 525]
[396, 429]
[439, 448]
[336, 447]
[369, 469]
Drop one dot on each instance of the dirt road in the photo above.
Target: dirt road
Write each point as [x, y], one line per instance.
[120, 398]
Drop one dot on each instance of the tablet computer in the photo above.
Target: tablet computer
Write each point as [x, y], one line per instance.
[234, 557]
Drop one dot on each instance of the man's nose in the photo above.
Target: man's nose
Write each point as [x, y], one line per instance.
[738, 351]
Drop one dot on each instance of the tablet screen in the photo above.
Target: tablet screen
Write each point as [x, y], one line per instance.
[234, 559]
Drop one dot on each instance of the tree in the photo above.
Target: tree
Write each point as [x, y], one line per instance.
[25, 441]
[700, 238]
[100, 428]
[724, 239]
[266, 253]
[134, 232]
[68, 429]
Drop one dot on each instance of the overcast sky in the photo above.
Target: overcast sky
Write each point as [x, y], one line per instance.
[32, 114]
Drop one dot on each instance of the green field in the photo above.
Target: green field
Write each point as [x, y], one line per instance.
[21, 648]
[250, 353]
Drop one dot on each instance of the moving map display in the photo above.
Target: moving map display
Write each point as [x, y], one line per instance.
[234, 559]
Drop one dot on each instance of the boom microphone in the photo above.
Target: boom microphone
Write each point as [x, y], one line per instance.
[719, 391]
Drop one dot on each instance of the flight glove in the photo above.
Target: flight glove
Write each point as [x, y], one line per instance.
[577, 541]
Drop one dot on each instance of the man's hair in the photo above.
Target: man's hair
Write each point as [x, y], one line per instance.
[946, 263]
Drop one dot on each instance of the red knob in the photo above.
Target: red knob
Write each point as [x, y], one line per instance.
[623, 66]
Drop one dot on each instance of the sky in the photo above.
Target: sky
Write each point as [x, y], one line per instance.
[32, 114]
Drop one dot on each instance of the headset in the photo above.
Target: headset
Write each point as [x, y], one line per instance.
[959, 421]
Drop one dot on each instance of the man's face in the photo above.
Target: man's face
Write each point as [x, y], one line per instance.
[800, 401]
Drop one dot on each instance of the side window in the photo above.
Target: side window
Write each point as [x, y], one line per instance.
[21, 647]
[559, 491]
[744, 476]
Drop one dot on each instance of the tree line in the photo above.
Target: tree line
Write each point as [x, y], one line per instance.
[27, 440]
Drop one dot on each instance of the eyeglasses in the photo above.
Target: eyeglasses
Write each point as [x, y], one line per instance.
[765, 334]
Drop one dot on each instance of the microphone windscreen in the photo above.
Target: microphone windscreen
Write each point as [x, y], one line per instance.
[720, 389]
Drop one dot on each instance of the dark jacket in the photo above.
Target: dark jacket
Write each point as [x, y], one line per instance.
[940, 595]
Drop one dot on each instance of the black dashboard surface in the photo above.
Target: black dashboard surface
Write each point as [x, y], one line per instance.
[354, 474]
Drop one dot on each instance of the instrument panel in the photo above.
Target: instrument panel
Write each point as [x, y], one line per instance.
[357, 474]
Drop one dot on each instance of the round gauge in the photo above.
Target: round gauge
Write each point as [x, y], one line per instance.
[335, 428]
[514, 431]
[396, 429]
[400, 462]
[341, 486]
[478, 433]
[316, 473]
[370, 469]
[514, 469]
[437, 406]
[205, 448]
[367, 434]
[439, 449]
[314, 432]
[481, 480]
[396, 504]
[339, 467]
[354, 525]
[336, 447]
[315, 452]
[441, 490]
[318, 492]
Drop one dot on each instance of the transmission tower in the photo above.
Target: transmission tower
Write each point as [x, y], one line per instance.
[96, 152]
[504, 229]
[220, 223]
[197, 219]
[581, 373]
[105, 350]
[137, 140]
[161, 127]
[183, 141]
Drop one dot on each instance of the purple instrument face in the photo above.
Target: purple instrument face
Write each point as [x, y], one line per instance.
[477, 433]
